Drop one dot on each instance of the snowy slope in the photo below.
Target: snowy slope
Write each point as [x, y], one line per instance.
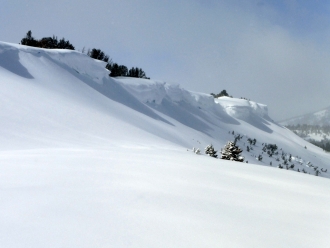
[91, 161]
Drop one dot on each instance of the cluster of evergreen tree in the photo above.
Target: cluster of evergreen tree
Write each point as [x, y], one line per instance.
[305, 130]
[115, 69]
[54, 43]
[271, 149]
[324, 144]
[46, 42]
[98, 54]
[122, 71]
[230, 152]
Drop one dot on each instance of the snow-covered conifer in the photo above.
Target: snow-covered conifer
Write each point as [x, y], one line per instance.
[232, 152]
[209, 150]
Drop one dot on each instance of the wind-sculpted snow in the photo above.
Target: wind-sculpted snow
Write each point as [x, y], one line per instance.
[82, 153]
[9, 60]
[150, 91]
[183, 103]
[241, 108]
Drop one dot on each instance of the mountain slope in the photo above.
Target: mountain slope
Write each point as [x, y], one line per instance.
[320, 118]
[313, 127]
[57, 98]
[91, 161]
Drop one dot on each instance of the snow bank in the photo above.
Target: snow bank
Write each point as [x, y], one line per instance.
[150, 91]
[241, 108]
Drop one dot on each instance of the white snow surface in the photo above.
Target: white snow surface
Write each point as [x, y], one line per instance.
[91, 161]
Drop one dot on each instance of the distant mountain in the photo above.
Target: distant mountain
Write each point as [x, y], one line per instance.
[313, 127]
[320, 118]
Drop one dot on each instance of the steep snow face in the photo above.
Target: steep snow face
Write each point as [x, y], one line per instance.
[17, 59]
[149, 91]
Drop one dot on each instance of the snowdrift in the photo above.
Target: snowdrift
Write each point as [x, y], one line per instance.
[92, 161]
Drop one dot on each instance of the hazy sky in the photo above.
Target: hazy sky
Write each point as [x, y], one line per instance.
[275, 52]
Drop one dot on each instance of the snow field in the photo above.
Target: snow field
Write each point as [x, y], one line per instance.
[102, 197]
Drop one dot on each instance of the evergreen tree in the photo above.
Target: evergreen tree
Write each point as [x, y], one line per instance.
[232, 152]
[29, 40]
[209, 150]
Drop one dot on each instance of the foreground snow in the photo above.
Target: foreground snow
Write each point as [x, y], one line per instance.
[151, 197]
[89, 161]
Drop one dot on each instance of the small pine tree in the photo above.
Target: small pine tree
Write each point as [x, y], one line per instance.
[209, 150]
[29, 40]
[197, 151]
[232, 152]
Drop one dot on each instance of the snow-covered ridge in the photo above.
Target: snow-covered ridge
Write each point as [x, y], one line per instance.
[81, 63]
[81, 152]
[146, 91]
[149, 91]
[73, 85]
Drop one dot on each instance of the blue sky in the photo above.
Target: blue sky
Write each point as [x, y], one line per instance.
[273, 52]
